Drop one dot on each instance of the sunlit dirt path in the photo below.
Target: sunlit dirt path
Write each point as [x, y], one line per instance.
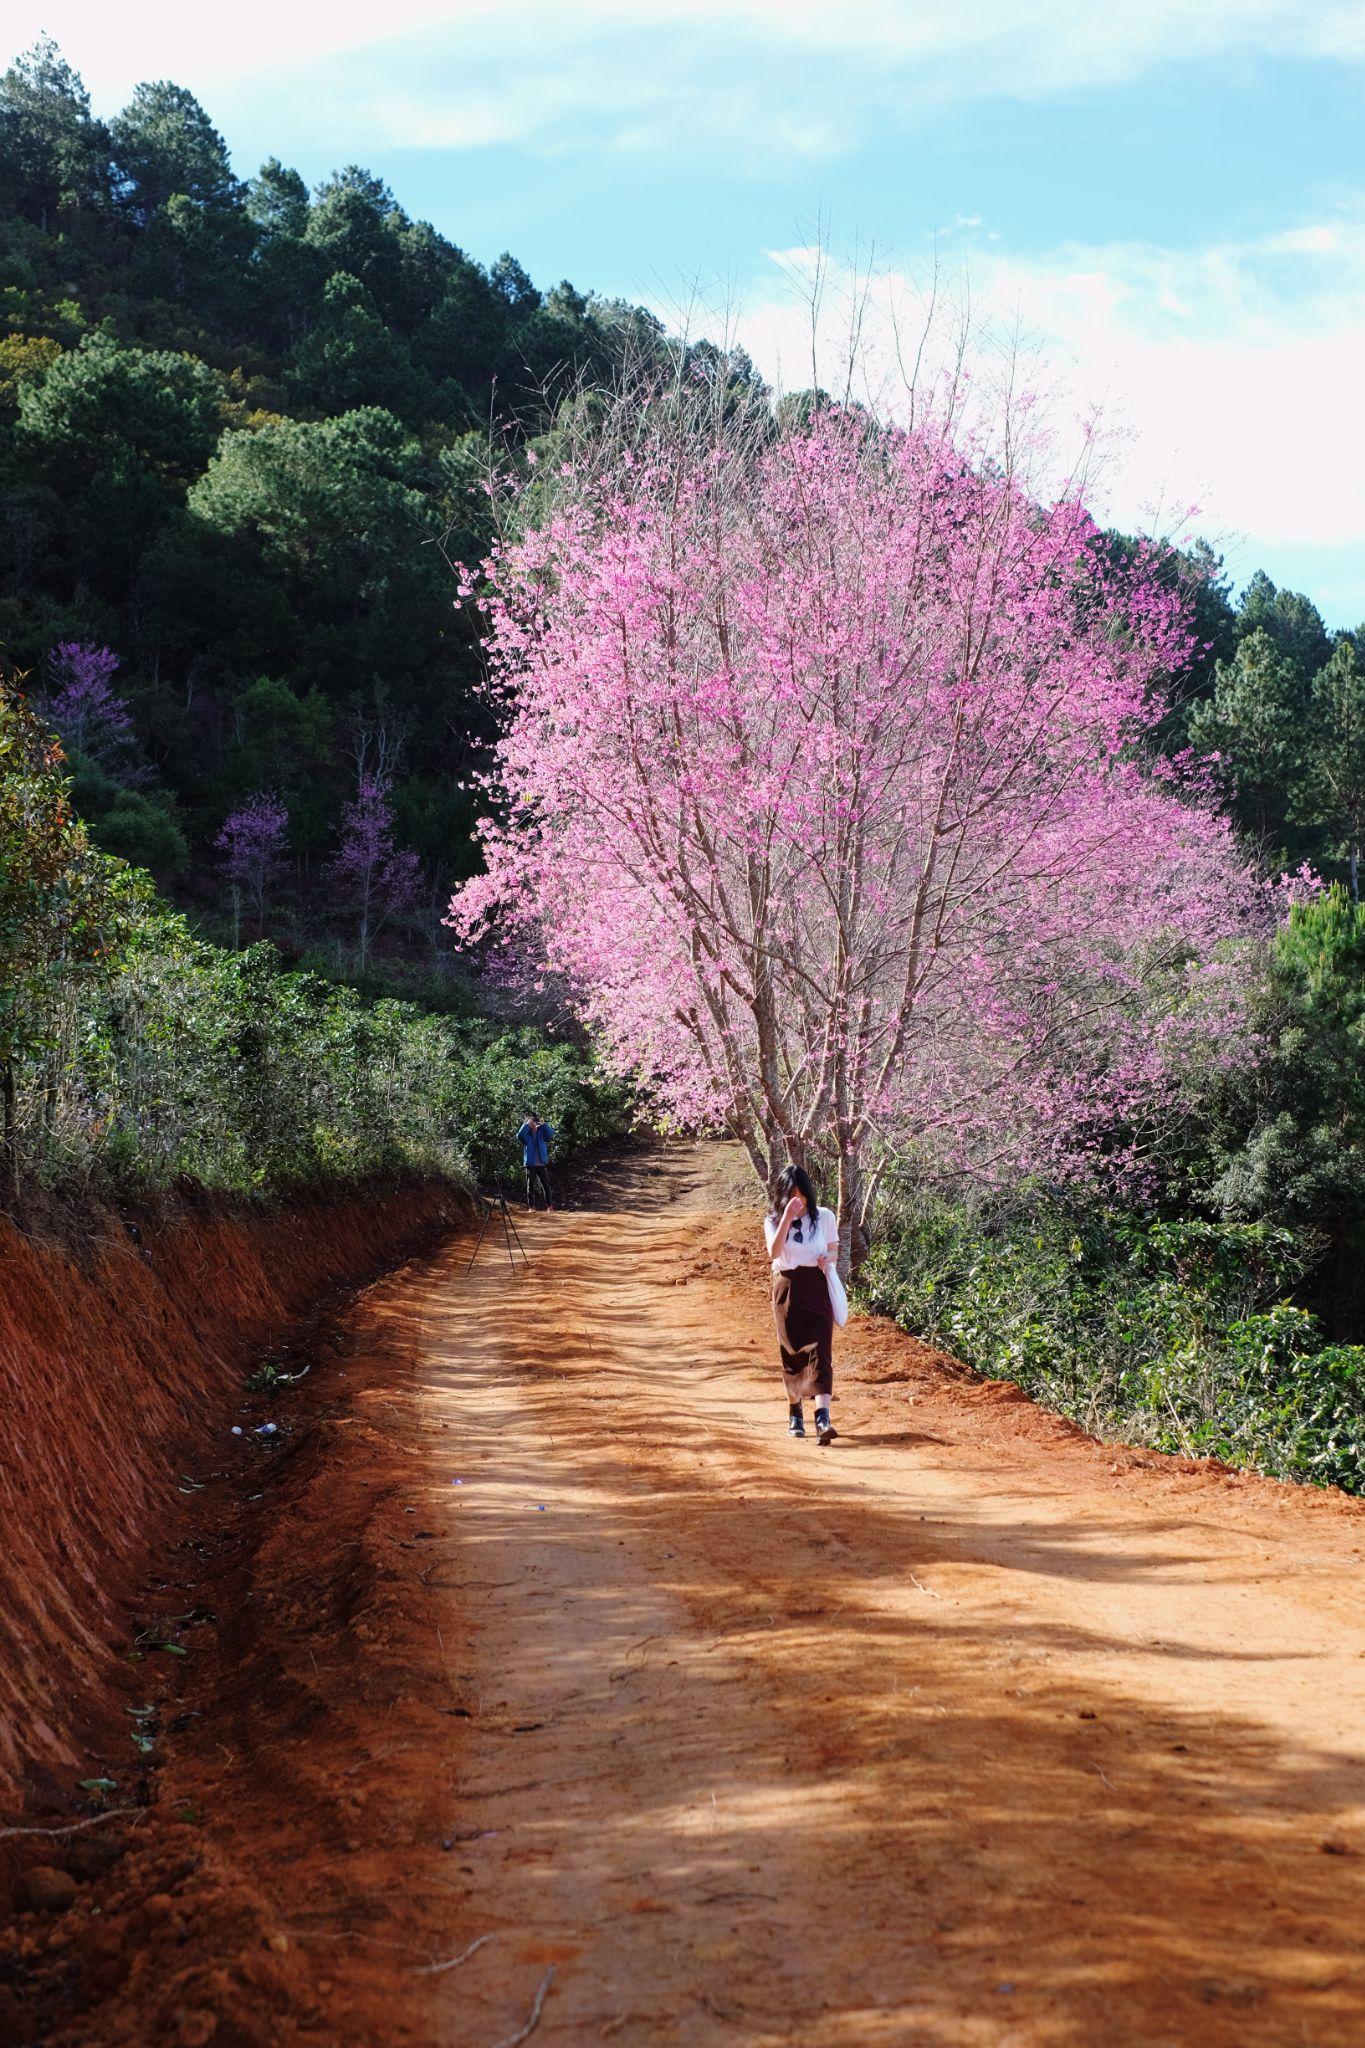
[940, 1735]
[966, 1731]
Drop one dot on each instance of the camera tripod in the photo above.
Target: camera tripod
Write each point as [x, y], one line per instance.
[496, 1205]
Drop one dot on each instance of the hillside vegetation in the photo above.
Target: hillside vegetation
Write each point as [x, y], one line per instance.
[135, 1055]
[242, 428]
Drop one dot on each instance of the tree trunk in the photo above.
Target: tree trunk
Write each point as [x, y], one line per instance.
[364, 932]
[853, 1242]
[9, 1143]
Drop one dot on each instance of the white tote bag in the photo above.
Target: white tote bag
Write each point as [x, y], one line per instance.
[838, 1300]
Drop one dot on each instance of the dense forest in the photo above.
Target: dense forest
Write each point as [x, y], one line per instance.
[244, 432]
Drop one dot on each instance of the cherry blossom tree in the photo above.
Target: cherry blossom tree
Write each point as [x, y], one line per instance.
[822, 782]
[380, 878]
[252, 845]
[82, 707]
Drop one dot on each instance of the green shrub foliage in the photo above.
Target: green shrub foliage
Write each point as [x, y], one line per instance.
[1287, 1127]
[134, 1054]
[1178, 1334]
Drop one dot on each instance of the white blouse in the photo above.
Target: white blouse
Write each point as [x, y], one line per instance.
[807, 1242]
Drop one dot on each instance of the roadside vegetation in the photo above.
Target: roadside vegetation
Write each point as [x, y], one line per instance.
[1219, 1318]
[135, 1055]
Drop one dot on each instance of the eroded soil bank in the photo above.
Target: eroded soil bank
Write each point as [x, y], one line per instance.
[117, 1354]
[547, 1681]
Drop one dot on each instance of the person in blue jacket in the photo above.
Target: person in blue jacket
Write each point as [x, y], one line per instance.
[534, 1138]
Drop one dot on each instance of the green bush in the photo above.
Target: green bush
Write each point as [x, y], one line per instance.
[133, 1053]
[188, 1060]
[503, 1072]
[1176, 1333]
[1288, 1127]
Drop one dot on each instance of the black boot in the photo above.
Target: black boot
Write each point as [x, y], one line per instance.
[796, 1421]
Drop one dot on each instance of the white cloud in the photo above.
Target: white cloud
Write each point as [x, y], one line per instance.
[1230, 374]
[1236, 364]
[798, 75]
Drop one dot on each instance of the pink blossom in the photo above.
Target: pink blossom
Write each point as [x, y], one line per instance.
[379, 879]
[826, 785]
[251, 841]
[89, 718]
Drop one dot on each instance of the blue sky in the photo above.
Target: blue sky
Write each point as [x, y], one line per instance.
[1169, 199]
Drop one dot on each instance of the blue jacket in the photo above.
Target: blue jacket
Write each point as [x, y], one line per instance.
[535, 1144]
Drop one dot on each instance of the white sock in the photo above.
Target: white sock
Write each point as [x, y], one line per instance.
[822, 1404]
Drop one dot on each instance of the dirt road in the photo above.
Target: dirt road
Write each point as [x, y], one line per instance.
[555, 1655]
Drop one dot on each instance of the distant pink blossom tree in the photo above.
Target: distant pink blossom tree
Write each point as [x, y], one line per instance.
[85, 712]
[252, 846]
[823, 782]
[379, 878]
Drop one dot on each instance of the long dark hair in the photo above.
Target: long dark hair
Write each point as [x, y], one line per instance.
[794, 1180]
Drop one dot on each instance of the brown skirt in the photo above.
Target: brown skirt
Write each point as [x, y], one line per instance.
[805, 1331]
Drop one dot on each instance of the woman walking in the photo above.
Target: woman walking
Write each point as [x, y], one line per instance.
[803, 1242]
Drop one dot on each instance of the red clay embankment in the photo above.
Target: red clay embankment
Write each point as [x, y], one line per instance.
[114, 1358]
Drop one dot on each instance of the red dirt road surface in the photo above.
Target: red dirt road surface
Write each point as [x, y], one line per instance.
[550, 1687]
